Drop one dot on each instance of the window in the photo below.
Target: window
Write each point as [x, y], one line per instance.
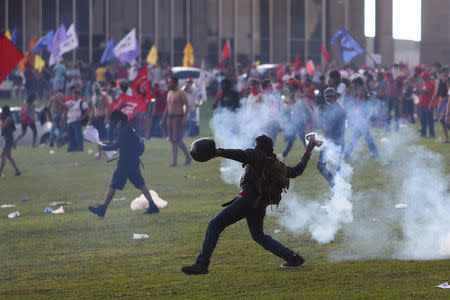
[99, 23]
[2, 14]
[369, 18]
[314, 30]
[148, 26]
[180, 30]
[213, 31]
[164, 15]
[262, 31]
[48, 15]
[244, 34]
[82, 29]
[65, 13]
[15, 20]
[297, 29]
[407, 20]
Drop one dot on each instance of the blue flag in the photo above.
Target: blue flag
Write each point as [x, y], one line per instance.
[348, 46]
[108, 54]
[43, 41]
[14, 36]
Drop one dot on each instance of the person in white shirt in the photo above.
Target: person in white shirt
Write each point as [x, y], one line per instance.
[78, 111]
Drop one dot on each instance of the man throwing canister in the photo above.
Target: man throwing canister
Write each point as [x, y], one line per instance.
[176, 112]
[262, 183]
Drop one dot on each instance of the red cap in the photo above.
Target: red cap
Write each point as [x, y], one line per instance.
[294, 82]
[190, 80]
[425, 74]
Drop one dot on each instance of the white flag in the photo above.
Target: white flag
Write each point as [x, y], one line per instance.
[202, 83]
[71, 42]
[127, 44]
[54, 60]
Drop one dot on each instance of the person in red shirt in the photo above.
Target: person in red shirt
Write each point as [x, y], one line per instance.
[425, 112]
[158, 107]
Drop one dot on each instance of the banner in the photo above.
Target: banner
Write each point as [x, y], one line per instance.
[39, 63]
[152, 57]
[14, 36]
[59, 37]
[141, 86]
[226, 52]
[188, 58]
[127, 57]
[310, 67]
[325, 54]
[10, 56]
[108, 54]
[128, 105]
[44, 41]
[127, 44]
[71, 41]
[348, 46]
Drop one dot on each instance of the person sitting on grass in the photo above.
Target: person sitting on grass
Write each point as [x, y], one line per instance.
[127, 166]
[8, 129]
[259, 188]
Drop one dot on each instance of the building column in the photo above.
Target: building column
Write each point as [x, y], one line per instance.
[235, 32]
[140, 26]
[384, 43]
[219, 50]
[6, 14]
[271, 31]
[91, 30]
[323, 33]
[288, 31]
[156, 24]
[172, 31]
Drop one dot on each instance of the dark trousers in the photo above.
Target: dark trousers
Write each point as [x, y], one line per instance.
[241, 208]
[392, 104]
[75, 137]
[300, 130]
[322, 166]
[357, 133]
[426, 118]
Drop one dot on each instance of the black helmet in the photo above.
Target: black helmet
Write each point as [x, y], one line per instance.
[203, 149]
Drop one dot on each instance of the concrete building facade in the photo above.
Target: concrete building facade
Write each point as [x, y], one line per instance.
[269, 31]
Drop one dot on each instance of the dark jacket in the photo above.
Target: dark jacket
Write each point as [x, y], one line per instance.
[127, 145]
[253, 161]
[333, 123]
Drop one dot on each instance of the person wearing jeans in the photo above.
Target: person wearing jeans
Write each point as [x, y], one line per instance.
[78, 110]
[248, 204]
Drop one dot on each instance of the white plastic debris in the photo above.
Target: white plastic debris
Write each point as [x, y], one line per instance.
[60, 210]
[277, 231]
[51, 152]
[7, 205]
[59, 203]
[14, 215]
[138, 236]
[224, 169]
[401, 205]
[91, 134]
[141, 202]
[384, 140]
[445, 285]
[90, 151]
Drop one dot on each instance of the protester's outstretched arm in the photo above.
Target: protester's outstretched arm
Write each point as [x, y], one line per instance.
[242, 156]
[293, 172]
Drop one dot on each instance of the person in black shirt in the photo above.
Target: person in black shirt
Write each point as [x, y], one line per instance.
[8, 127]
[248, 206]
[127, 166]
[227, 97]
[333, 125]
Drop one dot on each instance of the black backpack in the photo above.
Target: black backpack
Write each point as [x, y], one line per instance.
[272, 182]
[85, 121]
[140, 144]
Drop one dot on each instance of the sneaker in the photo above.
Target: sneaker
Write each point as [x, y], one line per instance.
[195, 269]
[18, 173]
[99, 210]
[152, 210]
[294, 262]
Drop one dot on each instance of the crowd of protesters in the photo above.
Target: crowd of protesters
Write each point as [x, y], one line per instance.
[81, 94]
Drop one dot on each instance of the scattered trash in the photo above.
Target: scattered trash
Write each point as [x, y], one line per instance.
[141, 202]
[25, 200]
[384, 140]
[48, 210]
[187, 176]
[14, 215]
[58, 211]
[120, 199]
[277, 231]
[401, 205]
[138, 236]
[7, 205]
[373, 219]
[445, 285]
[60, 203]
[51, 152]
[90, 151]
[438, 140]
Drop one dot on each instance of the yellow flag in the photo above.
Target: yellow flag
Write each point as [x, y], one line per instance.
[152, 56]
[188, 58]
[39, 63]
[257, 63]
[8, 34]
[28, 56]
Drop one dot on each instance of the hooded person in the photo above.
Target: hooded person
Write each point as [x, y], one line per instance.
[128, 165]
[259, 189]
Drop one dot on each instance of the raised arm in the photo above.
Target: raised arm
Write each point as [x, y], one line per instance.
[242, 156]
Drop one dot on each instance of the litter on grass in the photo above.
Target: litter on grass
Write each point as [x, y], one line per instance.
[138, 236]
[25, 200]
[120, 199]
[142, 203]
[401, 205]
[14, 215]
[445, 285]
[51, 152]
[60, 203]
[7, 205]
[60, 210]
[277, 231]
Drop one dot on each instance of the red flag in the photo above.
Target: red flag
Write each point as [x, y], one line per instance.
[9, 56]
[298, 63]
[141, 86]
[226, 52]
[281, 71]
[325, 54]
[128, 105]
[310, 67]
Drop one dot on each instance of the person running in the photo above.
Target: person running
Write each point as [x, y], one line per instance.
[27, 115]
[251, 203]
[127, 166]
[8, 127]
[177, 118]
[443, 86]
[360, 118]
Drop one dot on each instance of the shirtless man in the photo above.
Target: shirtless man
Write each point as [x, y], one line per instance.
[58, 118]
[100, 116]
[176, 119]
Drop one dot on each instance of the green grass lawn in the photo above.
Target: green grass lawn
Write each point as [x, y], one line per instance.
[79, 256]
